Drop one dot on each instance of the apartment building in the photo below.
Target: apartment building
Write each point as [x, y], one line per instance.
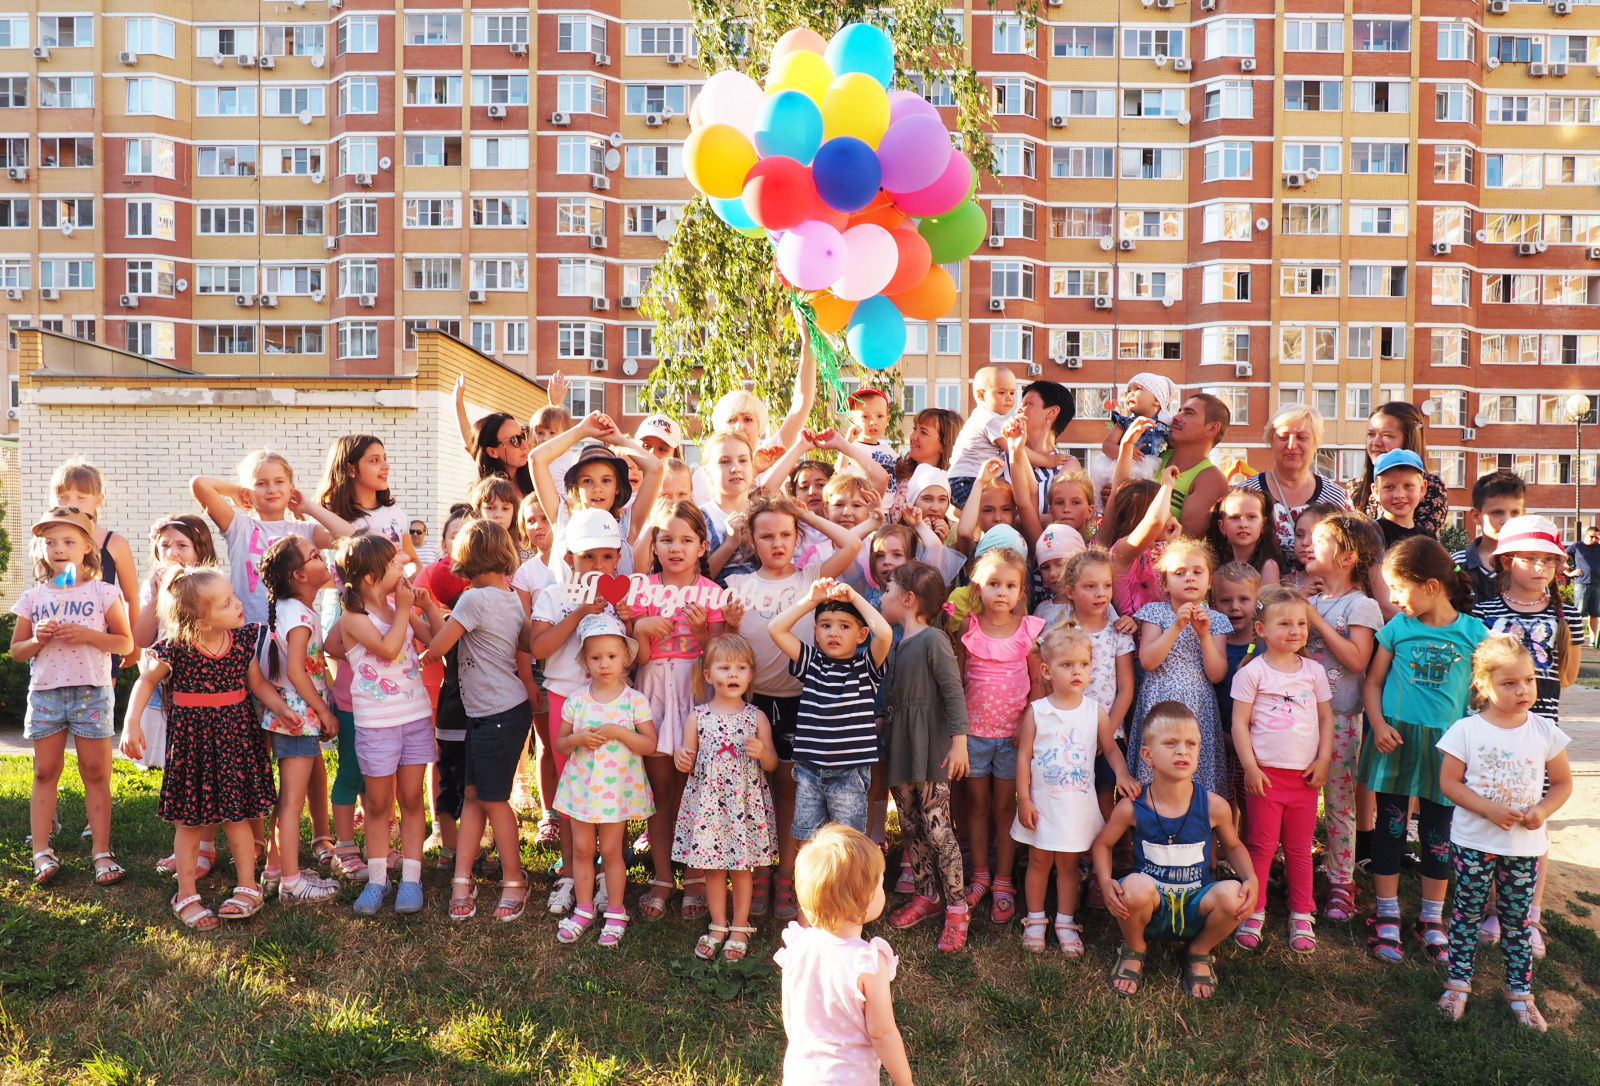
[1274, 202]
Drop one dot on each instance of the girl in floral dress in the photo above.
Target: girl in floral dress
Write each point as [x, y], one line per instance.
[726, 822]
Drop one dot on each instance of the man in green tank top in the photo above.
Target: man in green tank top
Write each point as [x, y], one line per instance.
[1196, 429]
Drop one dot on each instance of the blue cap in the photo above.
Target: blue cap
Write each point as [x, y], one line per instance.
[1397, 458]
[1001, 535]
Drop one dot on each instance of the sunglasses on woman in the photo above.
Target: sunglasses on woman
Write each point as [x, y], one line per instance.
[516, 441]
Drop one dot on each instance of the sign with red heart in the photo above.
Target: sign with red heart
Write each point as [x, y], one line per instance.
[613, 588]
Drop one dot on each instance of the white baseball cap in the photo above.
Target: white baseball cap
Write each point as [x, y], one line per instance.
[592, 530]
[660, 426]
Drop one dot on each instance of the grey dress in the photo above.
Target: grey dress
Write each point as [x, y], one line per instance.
[923, 706]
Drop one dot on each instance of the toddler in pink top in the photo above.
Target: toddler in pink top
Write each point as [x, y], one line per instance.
[1137, 523]
[837, 1010]
[999, 666]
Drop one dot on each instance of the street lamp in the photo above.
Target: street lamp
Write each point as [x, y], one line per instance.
[1577, 406]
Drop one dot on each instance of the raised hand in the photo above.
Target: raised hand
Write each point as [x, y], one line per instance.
[732, 613]
[990, 470]
[558, 387]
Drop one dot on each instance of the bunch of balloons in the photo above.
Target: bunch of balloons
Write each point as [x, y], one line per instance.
[858, 187]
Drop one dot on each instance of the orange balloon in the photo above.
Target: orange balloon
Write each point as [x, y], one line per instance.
[797, 39]
[929, 299]
[881, 212]
[833, 313]
[836, 219]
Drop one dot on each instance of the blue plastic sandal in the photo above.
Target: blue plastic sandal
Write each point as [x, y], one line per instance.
[371, 899]
[408, 899]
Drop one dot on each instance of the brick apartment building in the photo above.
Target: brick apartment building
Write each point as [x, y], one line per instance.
[1275, 202]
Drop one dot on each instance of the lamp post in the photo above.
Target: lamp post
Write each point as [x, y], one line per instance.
[1577, 406]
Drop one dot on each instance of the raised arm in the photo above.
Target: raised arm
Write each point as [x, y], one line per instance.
[860, 455]
[882, 632]
[846, 545]
[330, 526]
[469, 440]
[773, 478]
[804, 396]
[781, 628]
[967, 527]
[1150, 529]
[213, 494]
[545, 453]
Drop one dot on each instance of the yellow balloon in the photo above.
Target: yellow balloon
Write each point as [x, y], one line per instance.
[856, 105]
[716, 159]
[803, 71]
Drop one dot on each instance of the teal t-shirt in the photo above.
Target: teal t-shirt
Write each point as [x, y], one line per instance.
[1430, 681]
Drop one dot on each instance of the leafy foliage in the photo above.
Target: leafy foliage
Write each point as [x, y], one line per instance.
[724, 979]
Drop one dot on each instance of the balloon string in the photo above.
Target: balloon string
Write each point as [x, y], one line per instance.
[826, 354]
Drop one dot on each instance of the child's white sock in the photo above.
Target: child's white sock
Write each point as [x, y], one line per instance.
[410, 870]
[378, 871]
[1534, 912]
[1433, 911]
[1062, 918]
[1036, 916]
[1389, 906]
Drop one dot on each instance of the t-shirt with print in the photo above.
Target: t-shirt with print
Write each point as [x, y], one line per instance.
[291, 615]
[487, 651]
[978, 440]
[764, 599]
[1105, 646]
[1343, 612]
[387, 693]
[59, 664]
[563, 674]
[247, 540]
[1284, 733]
[1538, 631]
[1430, 678]
[1506, 765]
[837, 721]
[388, 521]
[680, 644]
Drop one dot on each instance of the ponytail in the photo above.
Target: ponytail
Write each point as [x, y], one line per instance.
[272, 636]
[1421, 559]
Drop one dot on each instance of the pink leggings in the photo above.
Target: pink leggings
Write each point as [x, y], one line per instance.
[557, 703]
[1289, 808]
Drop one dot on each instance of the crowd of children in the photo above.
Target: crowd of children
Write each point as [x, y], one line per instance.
[755, 654]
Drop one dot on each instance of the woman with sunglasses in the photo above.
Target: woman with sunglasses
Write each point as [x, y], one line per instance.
[498, 442]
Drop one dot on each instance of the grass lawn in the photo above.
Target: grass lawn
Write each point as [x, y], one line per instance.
[103, 986]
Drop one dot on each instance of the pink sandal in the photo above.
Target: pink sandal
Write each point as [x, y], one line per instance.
[1341, 901]
[954, 935]
[1003, 906]
[914, 912]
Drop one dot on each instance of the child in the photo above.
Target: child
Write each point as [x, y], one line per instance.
[67, 629]
[729, 462]
[177, 541]
[605, 732]
[725, 825]
[1001, 667]
[991, 502]
[294, 571]
[836, 738]
[869, 419]
[1283, 734]
[355, 486]
[598, 479]
[1056, 547]
[851, 501]
[925, 748]
[393, 715]
[1146, 395]
[1496, 498]
[1492, 766]
[994, 394]
[1181, 651]
[1400, 486]
[671, 641]
[1137, 524]
[1168, 895]
[806, 482]
[677, 481]
[488, 627]
[494, 498]
[1239, 532]
[1057, 816]
[1234, 588]
[218, 769]
[966, 600]
[838, 1013]
[1087, 581]
[1344, 621]
[1069, 500]
[1433, 637]
[1312, 515]
[252, 513]
[78, 484]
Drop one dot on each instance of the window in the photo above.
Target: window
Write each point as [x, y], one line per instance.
[1379, 221]
[151, 97]
[1452, 102]
[1225, 344]
[1515, 109]
[224, 279]
[1509, 49]
[917, 342]
[578, 278]
[1227, 162]
[410, 328]
[358, 339]
[1153, 103]
[151, 277]
[66, 92]
[1083, 41]
[1452, 286]
[226, 220]
[1377, 157]
[76, 213]
[1565, 110]
[937, 91]
[507, 90]
[913, 397]
[1225, 283]
[499, 152]
[581, 34]
[433, 28]
[1452, 163]
[1377, 281]
[67, 274]
[1380, 96]
[1226, 222]
[300, 40]
[1082, 161]
[1513, 228]
[1310, 219]
[1152, 42]
[483, 336]
[1312, 95]
[294, 219]
[647, 160]
[500, 211]
[1150, 344]
[638, 342]
[224, 41]
[1308, 282]
[432, 151]
[1237, 398]
[1572, 290]
[1157, 225]
[1079, 282]
[1322, 157]
[153, 339]
[226, 339]
[1456, 41]
[1013, 157]
[1010, 343]
[580, 215]
[499, 274]
[357, 34]
[431, 213]
[14, 92]
[229, 161]
[1572, 229]
[13, 32]
[947, 394]
[1508, 408]
[1151, 284]
[635, 280]
[292, 101]
[357, 277]
[1573, 49]
[645, 98]
[152, 219]
[580, 154]
[1012, 36]
[13, 151]
[1452, 224]
[585, 396]
[151, 36]
[659, 41]
[1231, 98]
[292, 339]
[1449, 346]
[151, 158]
[1326, 402]
[1450, 467]
[433, 90]
[1011, 219]
[66, 31]
[1571, 169]
[1382, 36]
[1080, 222]
[581, 339]
[1153, 163]
[1013, 97]
[1513, 171]
[947, 339]
[1511, 289]
[1313, 36]
[225, 101]
[516, 337]
[1011, 279]
[1390, 339]
[499, 30]
[66, 152]
[14, 214]
[1230, 38]
[358, 94]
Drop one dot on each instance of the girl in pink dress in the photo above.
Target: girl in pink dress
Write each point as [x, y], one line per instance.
[1001, 670]
[1138, 522]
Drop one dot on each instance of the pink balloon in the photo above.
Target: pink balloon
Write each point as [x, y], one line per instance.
[941, 196]
[873, 257]
[904, 103]
[732, 98]
[812, 255]
[914, 153]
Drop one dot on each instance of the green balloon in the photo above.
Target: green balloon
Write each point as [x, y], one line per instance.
[956, 234]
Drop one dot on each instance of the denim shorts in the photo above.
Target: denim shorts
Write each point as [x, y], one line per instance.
[961, 490]
[295, 746]
[1178, 916]
[493, 749]
[381, 751]
[824, 794]
[992, 757]
[89, 712]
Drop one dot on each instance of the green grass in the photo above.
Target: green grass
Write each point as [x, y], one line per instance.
[103, 987]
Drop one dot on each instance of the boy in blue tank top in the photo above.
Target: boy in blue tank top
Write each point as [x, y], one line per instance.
[1170, 893]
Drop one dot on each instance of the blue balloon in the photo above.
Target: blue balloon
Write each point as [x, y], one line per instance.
[876, 334]
[732, 212]
[861, 48]
[790, 125]
[847, 174]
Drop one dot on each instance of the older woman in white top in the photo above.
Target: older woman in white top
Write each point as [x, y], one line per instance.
[1294, 433]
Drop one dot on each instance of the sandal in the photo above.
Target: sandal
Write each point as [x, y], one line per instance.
[1302, 934]
[246, 901]
[1536, 941]
[1525, 1010]
[735, 947]
[1070, 939]
[46, 866]
[516, 905]
[705, 948]
[1341, 901]
[447, 859]
[954, 935]
[1384, 940]
[349, 864]
[1248, 935]
[322, 849]
[785, 907]
[1121, 972]
[549, 831]
[571, 928]
[1454, 1000]
[1438, 950]
[914, 912]
[1193, 981]
[907, 882]
[615, 927]
[693, 906]
[55, 828]
[1033, 933]
[204, 920]
[463, 906]
[760, 895]
[977, 888]
[1003, 904]
[112, 873]
[653, 905]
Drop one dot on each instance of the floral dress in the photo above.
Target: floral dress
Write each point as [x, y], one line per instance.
[726, 820]
[218, 768]
[607, 784]
[1182, 678]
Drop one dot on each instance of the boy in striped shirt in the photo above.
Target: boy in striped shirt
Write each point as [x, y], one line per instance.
[836, 738]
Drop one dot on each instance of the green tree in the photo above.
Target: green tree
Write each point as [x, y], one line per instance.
[722, 317]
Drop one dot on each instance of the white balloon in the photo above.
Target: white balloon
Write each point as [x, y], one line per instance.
[732, 98]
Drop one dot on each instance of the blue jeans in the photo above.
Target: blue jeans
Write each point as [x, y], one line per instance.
[824, 794]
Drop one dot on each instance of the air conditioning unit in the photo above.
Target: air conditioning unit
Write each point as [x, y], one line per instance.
[652, 120]
[1058, 120]
[367, 301]
[1593, 254]
[1164, 5]
[518, 49]
[1561, 7]
[244, 301]
[497, 112]
[1469, 433]
[1247, 64]
[599, 305]
[1535, 68]
[599, 182]
[1102, 301]
[267, 62]
[41, 52]
[997, 305]
[1527, 248]
[316, 177]
[13, 294]
[335, 5]
[674, 59]
[317, 296]
[1441, 248]
[602, 60]
[1242, 370]
[1035, 370]
[317, 60]
[597, 241]
[126, 57]
[560, 119]
[1294, 180]
[13, 413]
[477, 297]
[1208, 5]
[1558, 69]
[246, 60]
[996, 241]
[49, 294]
[269, 301]
[1183, 64]
[1074, 362]
[330, 243]
[1127, 245]
[129, 301]
[628, 301]
[17, 173]
[597, 365]
[1499, 7]
[364, 180]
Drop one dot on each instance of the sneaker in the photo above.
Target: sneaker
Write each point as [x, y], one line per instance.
[562, 897]
[308, 890]
[370, 903]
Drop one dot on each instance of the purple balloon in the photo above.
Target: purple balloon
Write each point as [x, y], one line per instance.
[914, 153]
[904, 103]
[941, 196]
[813, 255]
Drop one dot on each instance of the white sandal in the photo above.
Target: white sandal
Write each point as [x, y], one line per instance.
[469, 899]
[737, 945]
[46, 866]
[1033, 933]
[112, 873]
[1526, 1010]
[705, 948]
[204, 920]
[693, 906]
